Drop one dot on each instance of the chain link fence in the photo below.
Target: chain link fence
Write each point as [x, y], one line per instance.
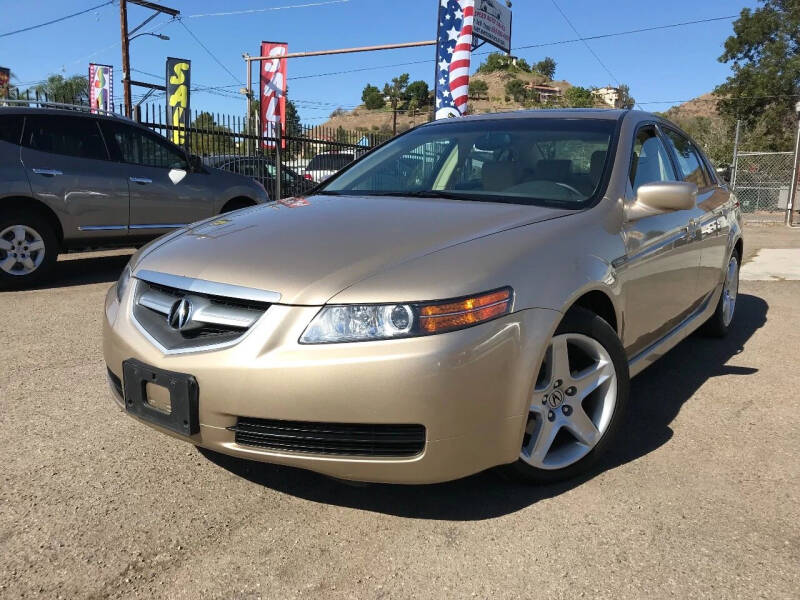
[762, 181]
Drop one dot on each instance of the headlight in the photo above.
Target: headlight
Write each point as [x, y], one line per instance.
[122, 282]
[367, 322]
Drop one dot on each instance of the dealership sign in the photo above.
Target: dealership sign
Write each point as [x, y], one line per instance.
[178, 86]
[273, 92]
[101, 88]
[493, 23]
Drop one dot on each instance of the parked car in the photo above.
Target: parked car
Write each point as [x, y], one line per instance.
[76, 179]
[263, 170]
[326, 164]
[477, 292]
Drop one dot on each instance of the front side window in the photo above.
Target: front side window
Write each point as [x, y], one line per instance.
[650, 162]
[143, 148]
[547, 161]
[688, 159]
[70, 136]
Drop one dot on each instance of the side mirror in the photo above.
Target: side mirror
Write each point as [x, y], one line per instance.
[662, 197]
[724, 172]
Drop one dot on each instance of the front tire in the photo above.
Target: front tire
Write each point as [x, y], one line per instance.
[720, 322]
[578, 401]
[28, 249]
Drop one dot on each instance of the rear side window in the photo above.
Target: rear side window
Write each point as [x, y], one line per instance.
[10, 128]
[330, 162]
[650, 162]
[689, 161]
[140, 147]
[70, 136]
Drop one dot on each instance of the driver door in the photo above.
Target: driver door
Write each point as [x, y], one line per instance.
[662, 255]
[164, 193]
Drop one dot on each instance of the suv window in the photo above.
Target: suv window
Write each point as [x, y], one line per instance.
[650, 162]
[73, 136]
[330, 162]
[689, 160]
[11, 128]
[140, 147]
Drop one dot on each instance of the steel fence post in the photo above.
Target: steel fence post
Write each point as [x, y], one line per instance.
[790, 207]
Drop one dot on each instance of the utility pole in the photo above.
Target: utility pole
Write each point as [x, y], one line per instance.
[792, 205]
[126, 60]
[128, 36]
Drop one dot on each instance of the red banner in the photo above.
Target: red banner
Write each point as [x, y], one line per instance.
[273, 91]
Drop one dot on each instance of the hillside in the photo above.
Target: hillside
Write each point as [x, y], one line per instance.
[362, 119]
[702, 106]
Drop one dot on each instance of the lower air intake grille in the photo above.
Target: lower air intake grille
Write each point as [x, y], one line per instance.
[347, 439]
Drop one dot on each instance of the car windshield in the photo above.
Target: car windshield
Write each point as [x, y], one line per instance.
[550, 161]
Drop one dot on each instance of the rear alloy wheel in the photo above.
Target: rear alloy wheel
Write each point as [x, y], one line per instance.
[577, 401]
[27, 250]
[720, 322]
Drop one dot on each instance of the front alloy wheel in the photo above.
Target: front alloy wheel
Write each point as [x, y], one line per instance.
[720, 322]
[577, 401]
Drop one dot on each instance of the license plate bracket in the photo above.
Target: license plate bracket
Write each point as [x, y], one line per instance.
[183, 417]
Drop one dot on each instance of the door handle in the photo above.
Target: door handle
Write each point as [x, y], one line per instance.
[140, 180]
[47, 172]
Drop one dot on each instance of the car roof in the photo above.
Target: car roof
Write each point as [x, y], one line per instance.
[80, 111]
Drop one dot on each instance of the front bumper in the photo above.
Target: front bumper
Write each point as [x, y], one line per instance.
[470, 389]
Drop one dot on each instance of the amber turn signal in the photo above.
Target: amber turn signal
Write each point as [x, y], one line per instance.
[447, 316]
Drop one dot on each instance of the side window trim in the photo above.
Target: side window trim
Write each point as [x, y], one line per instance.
[700, 157]
[660, 135]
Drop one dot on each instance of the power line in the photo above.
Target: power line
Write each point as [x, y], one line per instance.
[259, 10]
[211, 54]
[585, 43]
[58, 20]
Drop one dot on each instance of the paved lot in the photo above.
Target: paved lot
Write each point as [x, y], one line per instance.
[699, 501]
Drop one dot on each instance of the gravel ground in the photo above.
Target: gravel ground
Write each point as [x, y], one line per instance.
[700, 500]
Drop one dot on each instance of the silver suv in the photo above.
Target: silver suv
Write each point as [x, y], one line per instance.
[72, 179]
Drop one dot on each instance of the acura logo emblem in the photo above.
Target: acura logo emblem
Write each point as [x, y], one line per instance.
[180, 314]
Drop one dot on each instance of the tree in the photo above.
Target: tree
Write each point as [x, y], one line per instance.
[212, 138]
[70, 90]
[396, 92]
[762, 91]
[546, 67]
[579, 97]
[625, 98]
[478, 88]
[516, 89]
[293, 126]
[372, 97]
[419, 91]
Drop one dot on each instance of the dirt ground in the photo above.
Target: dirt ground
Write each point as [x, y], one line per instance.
[699, 500]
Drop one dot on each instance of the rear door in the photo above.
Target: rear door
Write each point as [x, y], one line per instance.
[711, 226]
[13, 180]
[68, 167]
[164, 193]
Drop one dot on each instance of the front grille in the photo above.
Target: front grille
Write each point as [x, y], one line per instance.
[345, 439]
[213, 319]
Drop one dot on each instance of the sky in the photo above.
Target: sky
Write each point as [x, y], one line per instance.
[662, 68]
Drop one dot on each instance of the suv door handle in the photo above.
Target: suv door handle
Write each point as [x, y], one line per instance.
[47, 172]
[140, 180]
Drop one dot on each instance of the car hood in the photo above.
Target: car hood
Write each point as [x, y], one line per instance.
[310, 249]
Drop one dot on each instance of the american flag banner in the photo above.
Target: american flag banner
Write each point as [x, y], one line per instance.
[453, 53]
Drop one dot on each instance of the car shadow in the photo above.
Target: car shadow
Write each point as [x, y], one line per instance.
[657, 396]
[75, 269]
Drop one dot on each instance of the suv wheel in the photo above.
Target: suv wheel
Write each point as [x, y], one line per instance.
[28, 249]
[578, 401]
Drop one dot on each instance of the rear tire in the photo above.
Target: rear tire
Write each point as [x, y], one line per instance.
[578, 402]
[28, 249]
[720, 322]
